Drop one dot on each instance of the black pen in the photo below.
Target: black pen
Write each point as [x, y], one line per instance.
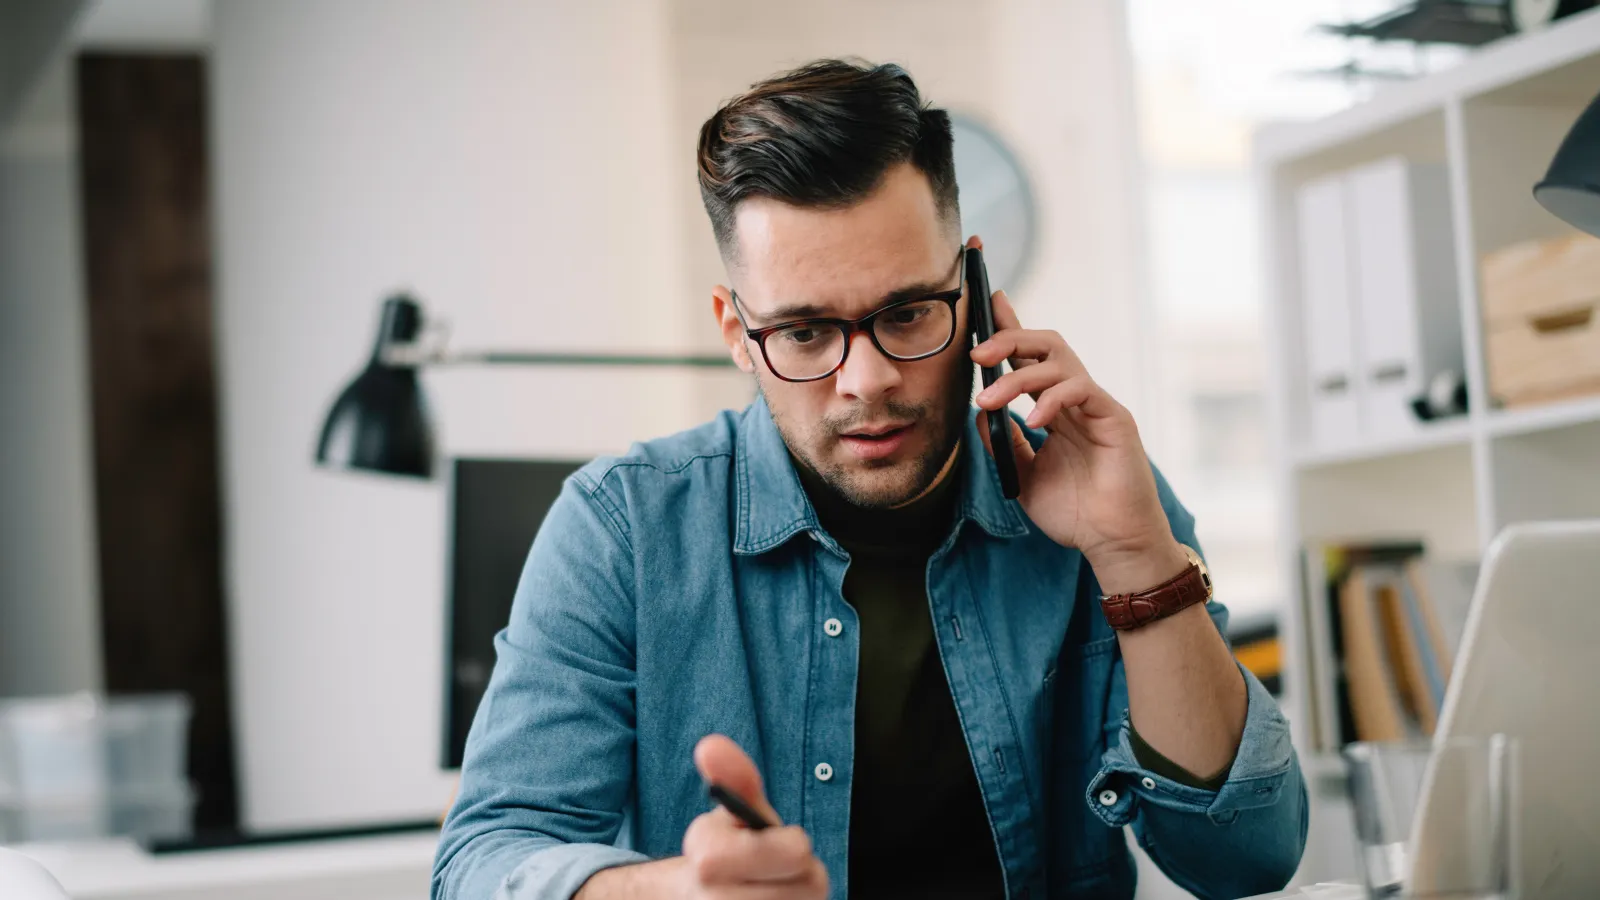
[731, 802]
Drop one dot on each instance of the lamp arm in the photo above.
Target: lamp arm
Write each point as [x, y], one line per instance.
[535, 358]
[431, 350]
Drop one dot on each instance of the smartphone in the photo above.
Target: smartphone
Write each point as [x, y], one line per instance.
[981, 303]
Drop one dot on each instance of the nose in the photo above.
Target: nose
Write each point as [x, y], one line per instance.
[867, 374]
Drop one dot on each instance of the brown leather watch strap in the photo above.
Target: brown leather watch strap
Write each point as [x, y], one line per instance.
[1126, 612]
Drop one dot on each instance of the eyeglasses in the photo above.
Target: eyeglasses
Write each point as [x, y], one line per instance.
[906, 330]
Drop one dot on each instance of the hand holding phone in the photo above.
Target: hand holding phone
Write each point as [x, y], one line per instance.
[981, 304]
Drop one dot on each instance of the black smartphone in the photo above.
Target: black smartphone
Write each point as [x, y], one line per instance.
[981, 303]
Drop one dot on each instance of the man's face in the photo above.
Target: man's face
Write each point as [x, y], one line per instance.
[879, 431]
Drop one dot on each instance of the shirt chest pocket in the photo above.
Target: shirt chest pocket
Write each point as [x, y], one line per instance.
[1074, 698]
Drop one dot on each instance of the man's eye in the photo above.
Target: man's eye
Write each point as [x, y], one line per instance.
[800, 336]
[909, 314]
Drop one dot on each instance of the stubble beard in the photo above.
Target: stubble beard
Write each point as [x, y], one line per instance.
[944, 419]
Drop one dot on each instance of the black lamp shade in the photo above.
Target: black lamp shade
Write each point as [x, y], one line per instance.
[380, 422]
[1571, 189]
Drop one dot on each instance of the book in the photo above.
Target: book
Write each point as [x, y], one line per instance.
[1327, 567]
[1406, 648]
[1378, 708]
[1256, 646]
[1432, 655]
[1321, 665]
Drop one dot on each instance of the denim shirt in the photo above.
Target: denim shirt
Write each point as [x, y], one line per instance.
[683, 589]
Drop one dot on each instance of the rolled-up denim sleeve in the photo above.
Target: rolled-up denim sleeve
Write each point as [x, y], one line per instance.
[549, 758]
[1244, 838]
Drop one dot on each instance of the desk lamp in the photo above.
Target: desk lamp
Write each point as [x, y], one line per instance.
[380, 421]
[1571, 189]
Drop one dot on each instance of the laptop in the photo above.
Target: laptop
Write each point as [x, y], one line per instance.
[1529, 667]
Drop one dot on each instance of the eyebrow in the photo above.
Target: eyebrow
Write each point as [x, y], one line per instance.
[793, 312]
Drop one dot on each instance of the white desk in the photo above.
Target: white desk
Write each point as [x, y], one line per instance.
[374, 868]
[390, 867]
[1340, 890]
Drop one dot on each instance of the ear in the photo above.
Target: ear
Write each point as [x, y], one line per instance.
[732, 329]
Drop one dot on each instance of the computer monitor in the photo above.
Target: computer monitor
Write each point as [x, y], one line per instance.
[497, 506]
[1529, 668]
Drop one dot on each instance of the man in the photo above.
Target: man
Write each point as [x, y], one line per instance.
[824, 603]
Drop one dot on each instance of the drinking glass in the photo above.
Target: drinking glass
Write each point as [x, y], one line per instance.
[1436, 819]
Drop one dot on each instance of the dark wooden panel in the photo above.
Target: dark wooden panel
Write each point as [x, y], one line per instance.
[146, 205]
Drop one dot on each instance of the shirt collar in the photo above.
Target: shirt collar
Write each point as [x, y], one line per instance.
[981, 499]
[771, 505]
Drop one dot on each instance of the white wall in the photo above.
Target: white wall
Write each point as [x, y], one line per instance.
[49, 567]
[31, 33]
[527, 168]
[49, 589]
[506, 161]
[1053, 79]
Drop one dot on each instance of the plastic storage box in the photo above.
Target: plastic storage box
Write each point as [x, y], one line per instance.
[81, 767]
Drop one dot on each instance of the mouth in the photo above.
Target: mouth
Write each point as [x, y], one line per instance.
[877, 431]
[877, 441]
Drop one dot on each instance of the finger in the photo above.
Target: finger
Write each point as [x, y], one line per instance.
[1005, 315]
[724, 854]
[720, 761]
[1031, 381]
[1026, 344]
[1028, 352]
[765, 892]
[807, 889]
[1020, 448]
[1079, 393]
[975, 242]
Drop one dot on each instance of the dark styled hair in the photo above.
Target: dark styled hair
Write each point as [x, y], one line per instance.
[822, 136]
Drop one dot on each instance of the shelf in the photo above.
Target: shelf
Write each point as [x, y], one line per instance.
[1505, 69]
[1431, 436]
[1454, 432]
[1547, 417]
[1494, 121]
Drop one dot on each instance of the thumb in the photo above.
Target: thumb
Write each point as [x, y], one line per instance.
[720, 761]
[1020, 448]
[1019, 443]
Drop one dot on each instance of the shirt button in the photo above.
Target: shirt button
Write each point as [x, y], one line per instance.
[1148, 782]
[833, 627]
[1108, 798]
[824, 772]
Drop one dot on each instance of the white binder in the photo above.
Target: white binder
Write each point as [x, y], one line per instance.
[1407, 307]
[1378, 288]
[1332, 385]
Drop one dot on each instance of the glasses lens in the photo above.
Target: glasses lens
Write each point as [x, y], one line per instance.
[805, 351]
[915, 329]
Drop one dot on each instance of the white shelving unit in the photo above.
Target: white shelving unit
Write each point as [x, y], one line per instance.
[1495, 122]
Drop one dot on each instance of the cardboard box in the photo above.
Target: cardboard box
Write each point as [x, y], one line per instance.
[1541, 313]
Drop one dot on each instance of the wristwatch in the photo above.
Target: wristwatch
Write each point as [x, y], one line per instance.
[1126, 612]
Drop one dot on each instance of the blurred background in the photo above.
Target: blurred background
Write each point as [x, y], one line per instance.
[204, 203]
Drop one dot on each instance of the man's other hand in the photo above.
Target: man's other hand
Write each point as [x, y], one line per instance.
[722, 857]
